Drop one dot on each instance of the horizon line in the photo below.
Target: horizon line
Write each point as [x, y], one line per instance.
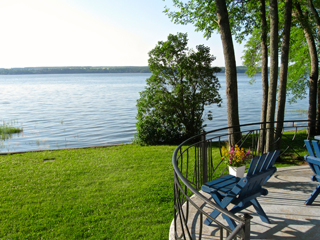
[89, 66]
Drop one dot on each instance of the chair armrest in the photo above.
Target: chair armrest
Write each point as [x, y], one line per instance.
[223, 184]
[313, 160]
[208, 189]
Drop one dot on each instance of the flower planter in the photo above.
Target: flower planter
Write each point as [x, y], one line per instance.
[237, 171]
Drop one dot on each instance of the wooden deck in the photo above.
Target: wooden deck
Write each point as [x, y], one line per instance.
[290, 218]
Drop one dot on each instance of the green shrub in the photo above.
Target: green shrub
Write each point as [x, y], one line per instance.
[171, 108]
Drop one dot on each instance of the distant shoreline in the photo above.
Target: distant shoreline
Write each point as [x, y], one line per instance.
[88, 69]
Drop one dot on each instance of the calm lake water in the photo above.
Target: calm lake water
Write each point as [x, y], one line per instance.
[78, 110]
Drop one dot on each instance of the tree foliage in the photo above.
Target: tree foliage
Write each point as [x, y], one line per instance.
[227, 17]
[203, 15]
[245, 19]
[299, 67]
[183, 82]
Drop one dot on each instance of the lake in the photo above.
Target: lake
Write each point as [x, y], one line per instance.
[79, 110]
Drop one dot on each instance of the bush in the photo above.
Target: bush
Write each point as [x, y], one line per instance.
[183, 82]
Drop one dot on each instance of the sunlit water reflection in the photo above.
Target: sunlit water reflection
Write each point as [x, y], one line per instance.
[78, 110]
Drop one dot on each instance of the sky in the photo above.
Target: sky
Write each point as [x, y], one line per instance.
[49, 33]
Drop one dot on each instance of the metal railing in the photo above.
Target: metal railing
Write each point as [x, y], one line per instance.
[198, 160]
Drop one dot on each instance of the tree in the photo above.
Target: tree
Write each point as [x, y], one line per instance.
[317, 20]
[283, 71]
[230, 71]
[257, 53]
[243, 19]
[209, 16]
[303, 19]
[272, 91]
[304, 70]
[183, 82]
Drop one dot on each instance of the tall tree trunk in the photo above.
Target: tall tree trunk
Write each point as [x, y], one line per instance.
[264, 74]
[283, 72]
[230, 72]
[317, 18]
[303, 19]
[273, 74]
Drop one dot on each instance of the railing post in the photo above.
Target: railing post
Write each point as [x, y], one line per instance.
[247, 219]
[204, 158]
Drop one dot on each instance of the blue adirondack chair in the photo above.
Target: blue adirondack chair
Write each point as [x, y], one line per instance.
[313, 159]
[242, 192]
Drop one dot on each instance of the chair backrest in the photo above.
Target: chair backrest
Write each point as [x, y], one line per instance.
[313, 149]
[262, 163]
[260, 170]
[313, 159]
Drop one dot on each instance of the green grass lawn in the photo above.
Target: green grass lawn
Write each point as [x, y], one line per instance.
[121, 192]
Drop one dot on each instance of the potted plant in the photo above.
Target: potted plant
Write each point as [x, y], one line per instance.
[235, 158]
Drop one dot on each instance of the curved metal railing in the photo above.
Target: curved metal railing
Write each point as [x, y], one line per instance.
[198, 160]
